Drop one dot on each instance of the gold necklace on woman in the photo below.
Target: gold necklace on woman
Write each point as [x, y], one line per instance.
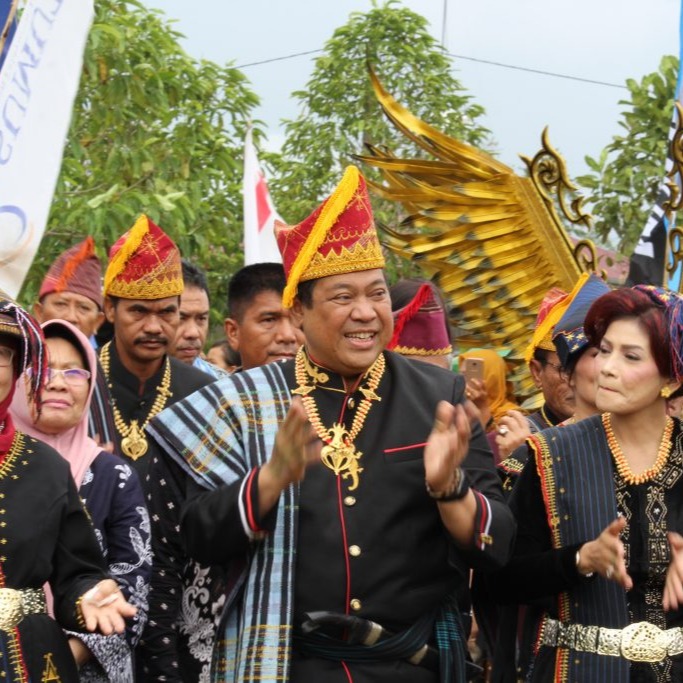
[339, 453]
[623, 467]
[134, 442]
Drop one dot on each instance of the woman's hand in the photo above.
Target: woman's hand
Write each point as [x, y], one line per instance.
[513, 430]
[673, 586]
[606, 555]
[104, 608]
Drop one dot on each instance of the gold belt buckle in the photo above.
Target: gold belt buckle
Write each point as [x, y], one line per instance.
[643, 642]
[11, 608]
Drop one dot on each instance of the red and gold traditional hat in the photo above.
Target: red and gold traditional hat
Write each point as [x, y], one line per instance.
[338, 237]
[144, 264]
[553, 306]
[420, 327]
[76, 270]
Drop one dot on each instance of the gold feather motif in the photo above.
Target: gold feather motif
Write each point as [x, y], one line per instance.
[492, 240]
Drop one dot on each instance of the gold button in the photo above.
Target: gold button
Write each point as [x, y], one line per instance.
[355, 605]
[351, 403]
[349, 501]
[354, 550]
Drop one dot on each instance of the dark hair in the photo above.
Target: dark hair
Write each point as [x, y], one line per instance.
[404, 291]
[230, 356]
[249, 282]
[630, 303]
[305, 293]
[55, 330]
[193, 276]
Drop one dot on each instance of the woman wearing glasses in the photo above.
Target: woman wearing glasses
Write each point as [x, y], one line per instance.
[45, 534]
[109, 488]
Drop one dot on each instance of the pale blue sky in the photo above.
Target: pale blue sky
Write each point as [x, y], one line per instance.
[603, 40]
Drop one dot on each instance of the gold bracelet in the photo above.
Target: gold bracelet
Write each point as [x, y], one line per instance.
[457, 491]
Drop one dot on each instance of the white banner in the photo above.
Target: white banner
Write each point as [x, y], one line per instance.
[260, 245]
[38, 84]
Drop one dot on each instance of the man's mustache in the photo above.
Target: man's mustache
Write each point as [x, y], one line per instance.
[155, 340]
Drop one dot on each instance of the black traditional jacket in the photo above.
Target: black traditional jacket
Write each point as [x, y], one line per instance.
[377, 550]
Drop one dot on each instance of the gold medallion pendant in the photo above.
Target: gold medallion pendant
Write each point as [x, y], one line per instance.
[134, 445]
[341, 456]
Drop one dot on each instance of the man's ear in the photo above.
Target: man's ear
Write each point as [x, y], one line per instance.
[109, 309]
[38, 312]
[100, 320]
[232, 333]
[298, 313]
[536, 368]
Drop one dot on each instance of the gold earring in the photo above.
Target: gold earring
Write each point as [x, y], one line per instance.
[666, 392]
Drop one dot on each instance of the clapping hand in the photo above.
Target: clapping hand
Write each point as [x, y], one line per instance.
[673, 587]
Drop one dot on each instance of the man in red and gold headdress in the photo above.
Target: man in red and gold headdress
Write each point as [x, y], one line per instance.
[344, 573]
[142, 287]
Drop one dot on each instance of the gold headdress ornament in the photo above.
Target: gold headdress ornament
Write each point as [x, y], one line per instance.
[144, 264]
[492, 240]
[338, 237]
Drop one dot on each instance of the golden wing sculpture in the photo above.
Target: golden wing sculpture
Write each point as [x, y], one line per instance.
[492, 240]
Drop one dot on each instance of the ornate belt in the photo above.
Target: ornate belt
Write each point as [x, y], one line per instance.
[639, 642]
[17, 604]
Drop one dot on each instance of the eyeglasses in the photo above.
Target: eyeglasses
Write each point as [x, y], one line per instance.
[555, 366]
[6, 357]
[73, 376]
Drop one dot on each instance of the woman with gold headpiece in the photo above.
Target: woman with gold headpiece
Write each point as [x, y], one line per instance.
[45, 534]
[598, 508]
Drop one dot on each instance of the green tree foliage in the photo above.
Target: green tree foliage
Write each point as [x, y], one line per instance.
[622, 187]
[339, 111]
[153, 131]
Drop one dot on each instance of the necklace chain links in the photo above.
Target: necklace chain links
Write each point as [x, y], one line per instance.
[134, 443]
[338, 454]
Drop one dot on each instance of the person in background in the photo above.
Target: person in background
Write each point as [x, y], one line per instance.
[421, 329]
[195, 309]
[491, 394]
[221, 354]
[45, 532]
[72, 291]
[109, 488]
[511, 634]
[546, 372]
[258, 327]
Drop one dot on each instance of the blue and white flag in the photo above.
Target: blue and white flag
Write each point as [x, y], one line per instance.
[38, 83]
[649, 257]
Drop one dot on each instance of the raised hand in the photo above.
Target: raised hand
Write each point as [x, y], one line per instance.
[296, 447]
[447, 445]
[513, 431]
[606, 555]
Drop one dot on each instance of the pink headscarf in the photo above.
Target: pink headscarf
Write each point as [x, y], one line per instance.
[74, 444]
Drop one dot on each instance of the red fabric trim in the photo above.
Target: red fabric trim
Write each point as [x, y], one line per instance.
[347, 672]
[346, 546]
[251, 519]
[484, 513]
[404, 448]
[408, 313]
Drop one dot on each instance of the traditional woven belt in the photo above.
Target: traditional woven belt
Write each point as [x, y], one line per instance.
[17, 604]
[639, 642]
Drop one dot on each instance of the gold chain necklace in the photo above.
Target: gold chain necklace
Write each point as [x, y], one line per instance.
[338, 454]
[134, 442]
[623, 467]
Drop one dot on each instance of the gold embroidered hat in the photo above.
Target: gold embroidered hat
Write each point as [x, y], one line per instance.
[338, 237]
[553, 306]
[144, 264]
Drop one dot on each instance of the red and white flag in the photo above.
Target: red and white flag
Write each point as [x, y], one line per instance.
[260, 245]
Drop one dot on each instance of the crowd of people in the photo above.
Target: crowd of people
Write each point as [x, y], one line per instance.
[318, 495]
